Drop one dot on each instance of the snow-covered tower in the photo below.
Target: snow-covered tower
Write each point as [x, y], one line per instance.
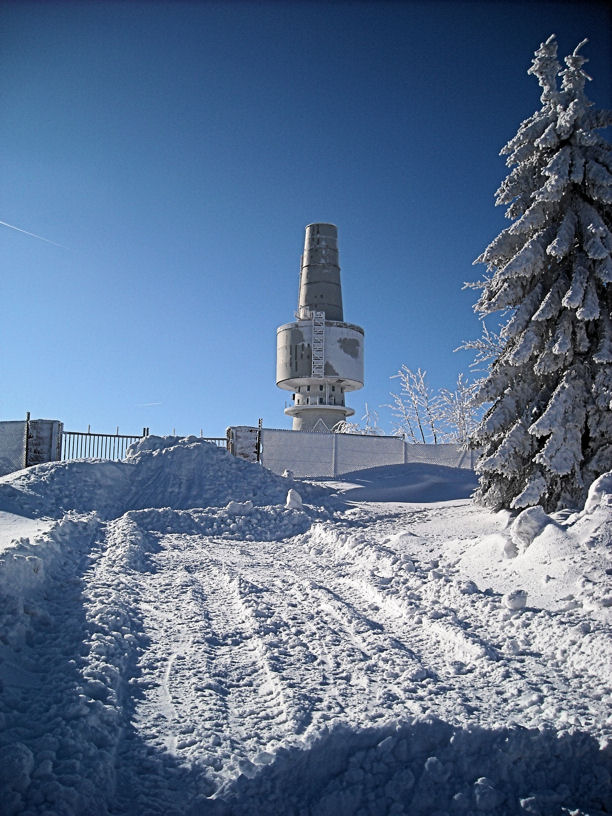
[320, 357]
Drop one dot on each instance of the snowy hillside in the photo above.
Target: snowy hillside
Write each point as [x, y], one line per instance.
[175, 638]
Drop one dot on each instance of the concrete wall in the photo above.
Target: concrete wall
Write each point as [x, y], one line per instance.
[45, 441]
[12, 446]
[301, 452]
[44, 438]
[328, 455]
[243, 442]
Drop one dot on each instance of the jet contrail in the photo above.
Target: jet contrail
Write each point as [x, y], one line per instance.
[32, 234]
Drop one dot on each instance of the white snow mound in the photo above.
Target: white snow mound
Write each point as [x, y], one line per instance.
[174, 472]
[294, 500]
[600, 493]
[527, 525]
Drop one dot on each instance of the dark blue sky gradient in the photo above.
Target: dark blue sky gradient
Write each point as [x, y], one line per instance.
[178, 150]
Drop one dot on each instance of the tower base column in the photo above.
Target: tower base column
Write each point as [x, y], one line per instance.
[317, 418]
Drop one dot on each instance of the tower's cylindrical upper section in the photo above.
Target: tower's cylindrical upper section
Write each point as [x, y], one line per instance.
[320, 289]
[343, 352]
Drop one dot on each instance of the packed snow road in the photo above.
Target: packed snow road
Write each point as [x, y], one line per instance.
[240, 656]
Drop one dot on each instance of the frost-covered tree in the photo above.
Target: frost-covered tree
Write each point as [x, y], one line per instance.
[423, 416]
[344, 427]
[370, 419]
[456, 411]
[416, 407]
[404, 418]
[370, 426]
[547, 433]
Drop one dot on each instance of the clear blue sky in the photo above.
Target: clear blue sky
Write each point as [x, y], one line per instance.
[177, 151]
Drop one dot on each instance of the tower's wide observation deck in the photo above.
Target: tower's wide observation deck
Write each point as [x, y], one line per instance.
[343, 365]
[319, 357]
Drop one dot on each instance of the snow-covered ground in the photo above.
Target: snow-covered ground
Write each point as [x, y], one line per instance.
[175, 639]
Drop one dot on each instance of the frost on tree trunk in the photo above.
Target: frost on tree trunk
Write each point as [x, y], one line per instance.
[547, 431]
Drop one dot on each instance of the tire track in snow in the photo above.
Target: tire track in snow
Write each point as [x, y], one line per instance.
[444, 640]
[345, 628]
[473, 641]
[332, 637]
[217, 690]
[406, 616]
[403, 666]
[361, 655]
[237, 663]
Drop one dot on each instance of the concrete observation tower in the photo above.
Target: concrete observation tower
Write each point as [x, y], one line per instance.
[319, 357]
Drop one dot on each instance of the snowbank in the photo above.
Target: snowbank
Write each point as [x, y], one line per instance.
[562, 561]
[165, 475]
[424, 767]
[157, 472]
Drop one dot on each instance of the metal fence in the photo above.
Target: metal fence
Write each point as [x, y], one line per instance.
[88, 445]
[219, 441]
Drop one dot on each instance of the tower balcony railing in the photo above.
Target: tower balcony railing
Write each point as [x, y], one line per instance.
[318, 400]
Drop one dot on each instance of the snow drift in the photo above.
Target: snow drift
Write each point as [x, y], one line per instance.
[157, 472]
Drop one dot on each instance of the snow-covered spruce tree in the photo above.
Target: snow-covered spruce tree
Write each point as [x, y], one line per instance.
[547, 433]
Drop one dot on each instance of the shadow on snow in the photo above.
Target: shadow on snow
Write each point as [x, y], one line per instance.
[414, 482]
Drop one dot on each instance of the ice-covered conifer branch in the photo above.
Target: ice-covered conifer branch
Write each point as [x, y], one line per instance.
[488, 347]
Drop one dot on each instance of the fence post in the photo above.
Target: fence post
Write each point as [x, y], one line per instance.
[334, 452]
[258, 443]
[26, 446]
